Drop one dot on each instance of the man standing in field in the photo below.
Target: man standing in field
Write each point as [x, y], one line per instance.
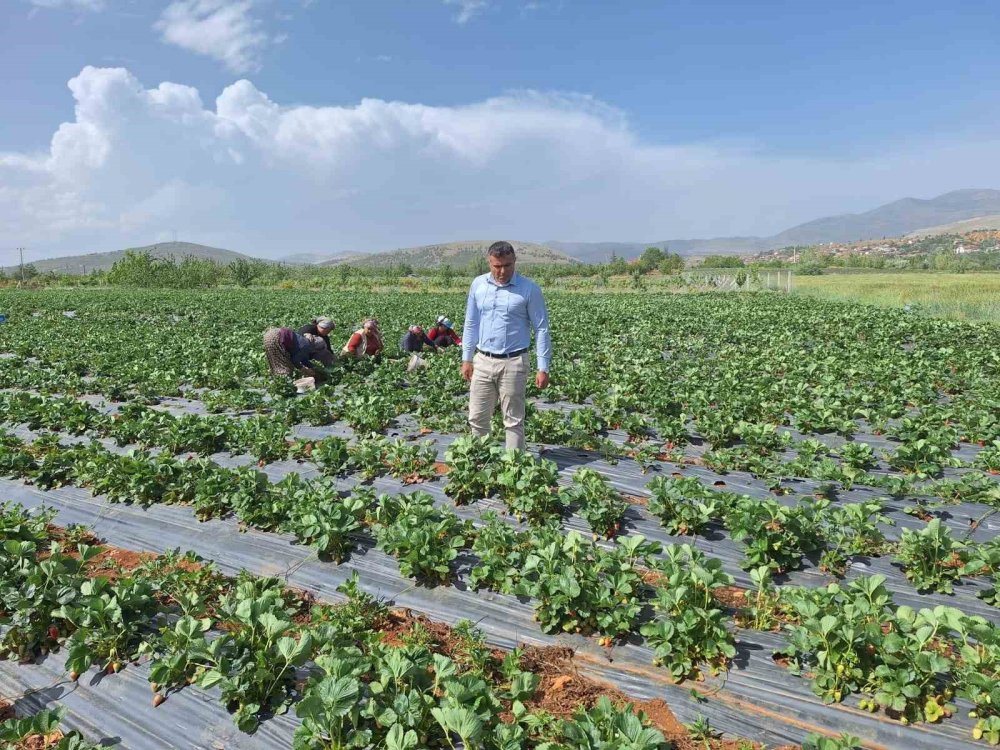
[502, 308]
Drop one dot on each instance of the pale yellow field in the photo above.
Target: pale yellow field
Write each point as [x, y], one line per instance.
[971, 296]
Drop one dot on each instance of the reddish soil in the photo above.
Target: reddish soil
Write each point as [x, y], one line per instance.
[6, 710]
[441, 468]
[39, 741]
[730, 596]
[562, 691]
[636, 500]
[112, 563]
[404, 623]
[652, 577]
[58, 534]
[955, 561]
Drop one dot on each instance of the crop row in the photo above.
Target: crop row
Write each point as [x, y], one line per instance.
[374, 678]
[267, 438]
[711, 362]
[576, 584]
[774, 535]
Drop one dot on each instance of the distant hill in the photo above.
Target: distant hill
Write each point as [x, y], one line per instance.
[309, 259]
[455, 254]
[960, 227]
[80, 264]
[891, 220]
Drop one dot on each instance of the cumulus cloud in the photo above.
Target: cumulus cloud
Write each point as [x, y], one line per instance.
[225, 30]
[467, 9]
[256, 175]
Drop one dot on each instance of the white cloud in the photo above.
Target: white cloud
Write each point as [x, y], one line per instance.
[221, 29]
[258, 176]
[467, 9]
[90, 5]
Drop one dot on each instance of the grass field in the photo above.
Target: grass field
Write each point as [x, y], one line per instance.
[946, 295]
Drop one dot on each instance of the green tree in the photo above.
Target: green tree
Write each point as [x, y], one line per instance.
[671, 264]
[617, 266]
[651, 258]
[245, 272]
[446, 275]
[479, 265]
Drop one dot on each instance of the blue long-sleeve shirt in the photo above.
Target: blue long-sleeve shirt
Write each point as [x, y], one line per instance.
[499, 319]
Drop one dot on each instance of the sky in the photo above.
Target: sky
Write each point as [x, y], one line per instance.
[276, 127]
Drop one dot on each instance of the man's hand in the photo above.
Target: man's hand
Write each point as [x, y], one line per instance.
[467, 371]
[541, 379]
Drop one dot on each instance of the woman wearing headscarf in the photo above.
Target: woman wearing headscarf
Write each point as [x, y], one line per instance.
[366, 341]
[289, 353]
[443, 334]
[321, 327]
[414, 340]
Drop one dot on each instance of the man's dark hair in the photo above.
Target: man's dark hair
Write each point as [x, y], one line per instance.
[500, 249]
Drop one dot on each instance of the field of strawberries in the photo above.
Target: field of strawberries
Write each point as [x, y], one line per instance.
[743, 521]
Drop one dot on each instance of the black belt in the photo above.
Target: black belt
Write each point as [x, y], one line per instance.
[491, 355]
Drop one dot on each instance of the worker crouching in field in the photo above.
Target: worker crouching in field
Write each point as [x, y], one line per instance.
[289, 353]
[443, 334]
[366, 341]
[414, 340]
[321, 327]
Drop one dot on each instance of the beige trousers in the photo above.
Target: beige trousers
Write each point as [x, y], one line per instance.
[503, 380]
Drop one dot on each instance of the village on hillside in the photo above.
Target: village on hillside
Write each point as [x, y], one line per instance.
[899, 252]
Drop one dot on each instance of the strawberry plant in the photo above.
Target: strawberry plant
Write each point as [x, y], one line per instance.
[989, 458]
[318, 516]
[931, 558]
[32, 590]
[858, 455]
[852, 529]
[411, 462]
[254, 662]
[838, 636]
[332, 455]
[502, 552]
[424, 539]
[471, 467]
[776, 535]
[684, 505]
[580, 587]
[368, 457]
[42, 727]
[528, 486]
[108, 620]
[844, 741]
[978, 676]
[262, 437]
[600, 505]
[605, 726]
[689, 628]
[763, 601]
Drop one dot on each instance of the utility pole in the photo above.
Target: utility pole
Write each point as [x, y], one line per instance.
[20, 251]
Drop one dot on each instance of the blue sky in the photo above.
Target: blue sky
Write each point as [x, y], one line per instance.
[328, 126]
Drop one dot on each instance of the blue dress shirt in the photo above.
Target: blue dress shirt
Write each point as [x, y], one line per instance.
[499, 319]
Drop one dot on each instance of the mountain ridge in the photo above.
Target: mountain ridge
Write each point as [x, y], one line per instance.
[103, 261]
[900, 217]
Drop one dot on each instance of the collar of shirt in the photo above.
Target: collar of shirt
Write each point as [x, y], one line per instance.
[513, 280]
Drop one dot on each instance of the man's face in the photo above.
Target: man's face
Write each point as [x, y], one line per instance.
[502, 268]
